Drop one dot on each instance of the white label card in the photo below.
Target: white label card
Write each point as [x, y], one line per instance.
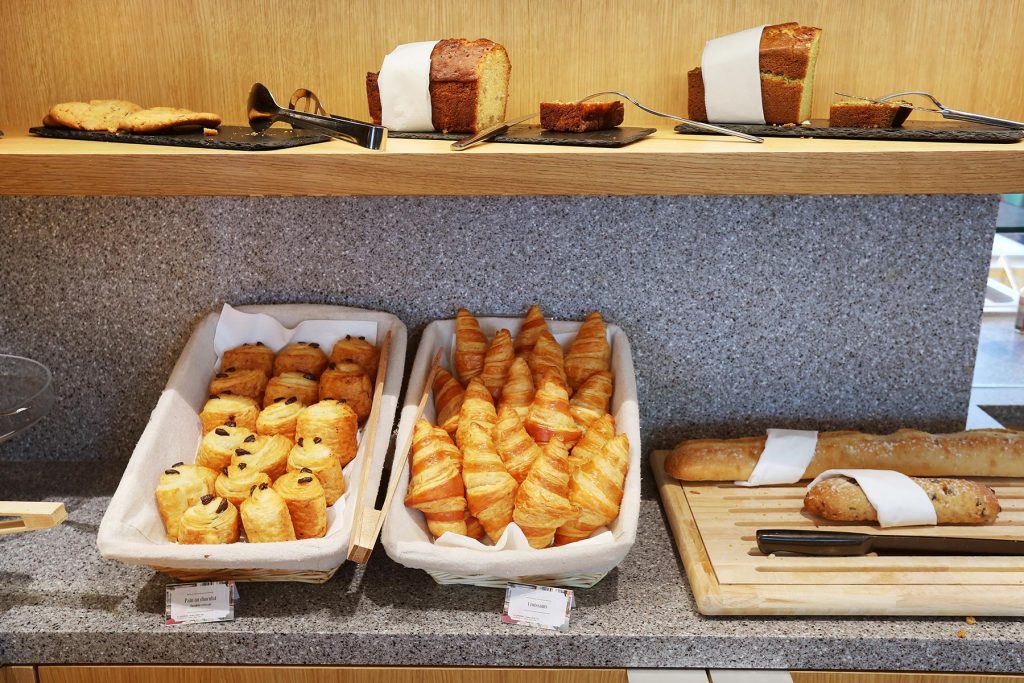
[197, 603]
[537, 606]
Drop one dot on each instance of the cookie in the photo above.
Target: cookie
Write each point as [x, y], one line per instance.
[163, 118]
[101, 115]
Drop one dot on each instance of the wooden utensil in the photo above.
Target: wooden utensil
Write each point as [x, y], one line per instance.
[17, 516]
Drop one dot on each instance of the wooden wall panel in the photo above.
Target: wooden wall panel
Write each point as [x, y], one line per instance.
[205, 54]
[316, 674]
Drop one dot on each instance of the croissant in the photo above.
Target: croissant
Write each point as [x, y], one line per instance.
[593, 440]
[359, 351]
[589, 352]
[533, 326]
[591, 399]
[448, 395]
[473, 527]
[517, 450]
[518, 390]
[305, 358]
[546, 357]
[497, 361]
[470, 346]
[477, 406]
[231, 410]
[256, 356]
[596, 488]
[490, 490]
[542, 501]
[549, 415]
[435, 482]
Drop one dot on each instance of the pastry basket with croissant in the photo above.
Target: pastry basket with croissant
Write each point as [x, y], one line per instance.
[255, 460]
[524, 465]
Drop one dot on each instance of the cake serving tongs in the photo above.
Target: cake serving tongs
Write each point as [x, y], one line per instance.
[501, 128]
[941, 109]
[264, 111]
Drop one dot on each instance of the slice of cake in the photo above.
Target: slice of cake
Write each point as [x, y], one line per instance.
[468, 85]
[861, 114]
[788, 55]
[579, 117]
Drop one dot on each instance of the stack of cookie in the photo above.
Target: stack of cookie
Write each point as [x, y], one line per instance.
[112, 116]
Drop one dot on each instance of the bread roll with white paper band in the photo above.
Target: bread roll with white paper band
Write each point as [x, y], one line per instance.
[956, 501]
[976, 453]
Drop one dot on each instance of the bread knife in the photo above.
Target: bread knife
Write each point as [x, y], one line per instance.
[845, 544]
[944, 111]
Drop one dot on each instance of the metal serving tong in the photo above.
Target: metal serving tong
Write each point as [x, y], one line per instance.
[264, 111]
[946, 112]
[500, 128]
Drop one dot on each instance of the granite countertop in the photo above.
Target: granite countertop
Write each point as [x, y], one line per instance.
[61, 603]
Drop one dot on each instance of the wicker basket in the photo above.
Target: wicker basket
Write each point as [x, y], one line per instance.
[406, 538]
[131, 531]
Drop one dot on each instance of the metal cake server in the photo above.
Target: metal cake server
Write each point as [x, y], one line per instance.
[845, 544]
[501, 128]
[264, 110]
[943, 110]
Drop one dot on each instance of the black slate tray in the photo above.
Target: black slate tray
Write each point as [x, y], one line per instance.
[535, 135]
[239, 138]
[926, 131]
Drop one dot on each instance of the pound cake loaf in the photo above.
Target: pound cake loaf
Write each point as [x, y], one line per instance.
[579, 117]
[956, 501]
[788, 55]
[862, 114]
[468, 85]
[975, 453]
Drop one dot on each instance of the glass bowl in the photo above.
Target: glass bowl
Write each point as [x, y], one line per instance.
[26, 394]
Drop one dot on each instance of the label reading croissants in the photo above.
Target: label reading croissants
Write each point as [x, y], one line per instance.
[537, 606]
[196, 603]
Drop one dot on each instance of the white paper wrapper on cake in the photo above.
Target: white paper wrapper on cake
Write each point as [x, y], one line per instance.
[731, 69]
[132, 531]
[404, 84]
[405, 536]
[786, 455]
[897, 499]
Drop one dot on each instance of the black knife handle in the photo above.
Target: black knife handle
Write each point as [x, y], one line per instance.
[826, 543]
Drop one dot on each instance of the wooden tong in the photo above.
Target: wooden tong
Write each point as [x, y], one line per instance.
[17, 516]
[369, 521]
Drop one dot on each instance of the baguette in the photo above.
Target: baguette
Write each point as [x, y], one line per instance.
[977, 453]
[956, 501]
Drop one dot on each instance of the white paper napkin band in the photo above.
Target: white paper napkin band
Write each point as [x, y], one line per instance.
[786, 455]
[897, 499]
[731, 68]
[404, 84]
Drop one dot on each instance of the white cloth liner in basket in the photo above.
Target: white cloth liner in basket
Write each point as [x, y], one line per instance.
[405, 536]
[132, 531]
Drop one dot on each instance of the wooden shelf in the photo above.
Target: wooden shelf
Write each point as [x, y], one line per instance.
[665, 164]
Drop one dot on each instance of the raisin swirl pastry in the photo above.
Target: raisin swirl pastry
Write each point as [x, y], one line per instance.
[212, 520]
[256, 356]
[347, 381]
[267, 454]
[305, 358]
[265, 516]
[235, 481]
[217, 447]
[240, 382]
[291, 385]
[229, 409]
[318, 458]
[280, 418]
[306, 502]
[333, 423]
[358, 350]
[181, 486]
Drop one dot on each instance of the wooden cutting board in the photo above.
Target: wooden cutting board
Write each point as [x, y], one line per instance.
[714, 526]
